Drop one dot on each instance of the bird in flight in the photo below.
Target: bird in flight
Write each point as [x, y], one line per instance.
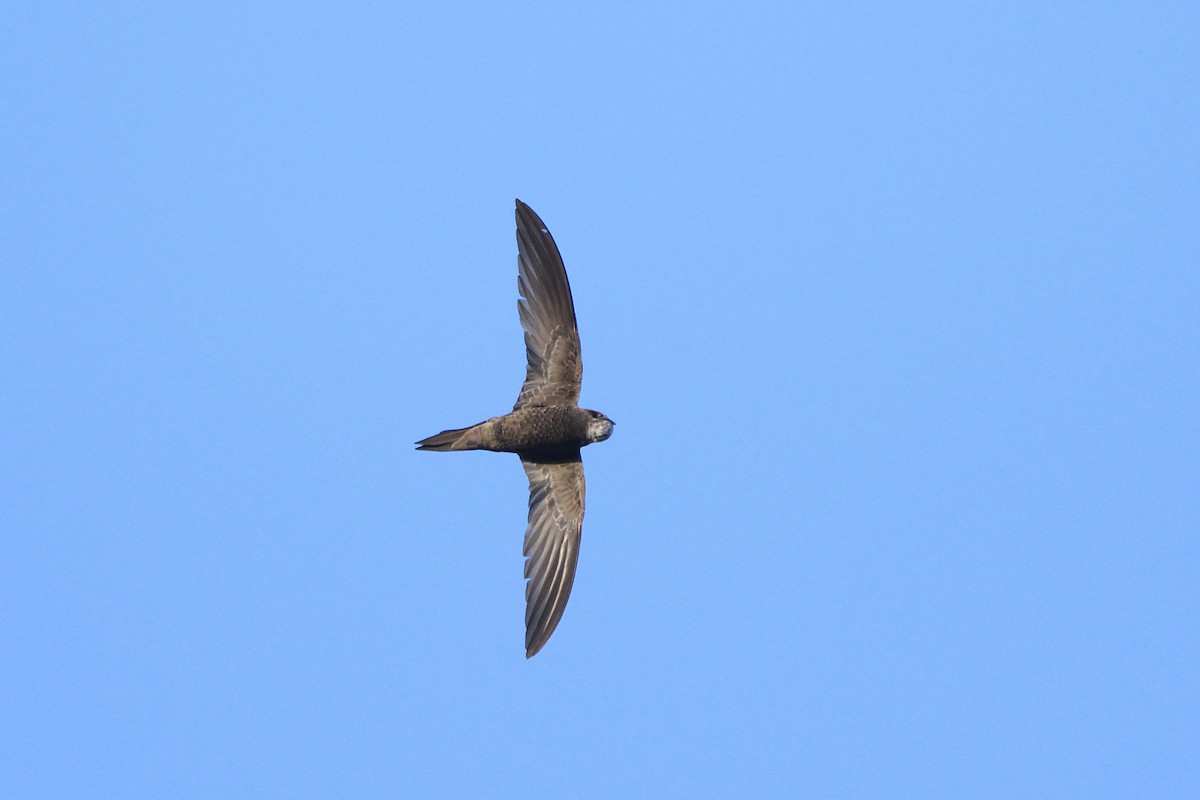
[546, 428]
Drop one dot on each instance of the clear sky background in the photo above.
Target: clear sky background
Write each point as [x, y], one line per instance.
[897, 311]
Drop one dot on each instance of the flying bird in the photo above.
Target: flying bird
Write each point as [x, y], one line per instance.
[546, 428]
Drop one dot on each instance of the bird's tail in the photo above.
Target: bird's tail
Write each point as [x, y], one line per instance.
[454, 439]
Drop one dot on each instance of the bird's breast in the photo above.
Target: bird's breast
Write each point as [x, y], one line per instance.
[540, 428]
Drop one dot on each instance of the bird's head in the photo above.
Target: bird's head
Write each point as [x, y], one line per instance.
[599, 427]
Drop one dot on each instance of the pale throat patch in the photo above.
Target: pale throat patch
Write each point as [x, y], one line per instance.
[599, 430]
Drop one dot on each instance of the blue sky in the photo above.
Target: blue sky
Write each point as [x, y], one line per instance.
[897, 311]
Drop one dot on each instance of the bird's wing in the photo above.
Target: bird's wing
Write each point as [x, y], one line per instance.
[555, 367]
[556, 491]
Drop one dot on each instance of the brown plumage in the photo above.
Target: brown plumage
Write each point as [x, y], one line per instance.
[546, 428]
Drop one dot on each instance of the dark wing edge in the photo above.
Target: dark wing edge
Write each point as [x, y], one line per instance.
[556, 502]
[554, 366]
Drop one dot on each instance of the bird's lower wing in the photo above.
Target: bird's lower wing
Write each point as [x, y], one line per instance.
[556, 490]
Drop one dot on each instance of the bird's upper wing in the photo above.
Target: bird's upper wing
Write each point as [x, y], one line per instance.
[555, 367]
[556, 491]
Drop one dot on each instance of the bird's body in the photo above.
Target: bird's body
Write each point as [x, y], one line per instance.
[546, 428]
[530, 430]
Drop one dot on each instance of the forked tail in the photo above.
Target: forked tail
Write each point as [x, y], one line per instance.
[448, 440]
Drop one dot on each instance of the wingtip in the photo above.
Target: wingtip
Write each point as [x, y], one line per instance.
[533, 646]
